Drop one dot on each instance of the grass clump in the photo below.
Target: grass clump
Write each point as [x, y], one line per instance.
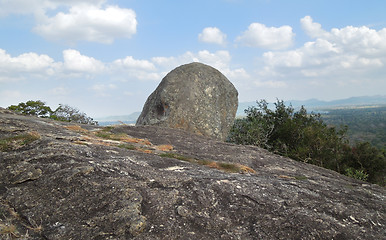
[8, 231]
[127, 146]
[105, 132]
[301, 178]
[15, 142]
[229, 167]
[177, 156]
[226, 167]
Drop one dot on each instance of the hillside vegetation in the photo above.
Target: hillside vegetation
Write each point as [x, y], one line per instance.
[365, 124]
[307, 138]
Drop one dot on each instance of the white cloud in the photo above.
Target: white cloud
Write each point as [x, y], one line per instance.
[75, 62]
[258, 35]
[130, 62]
[212, 35]
[60, 91]
[271, 84]
[38, 7]
[346, 56]
[13, 68]
[312, 29]
[103, 89]
[86, 22]
[135, 68]
[219, 60]
[361, 40]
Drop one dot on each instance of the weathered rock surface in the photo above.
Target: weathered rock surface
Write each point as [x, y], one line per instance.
[60, 181]
[194, 97]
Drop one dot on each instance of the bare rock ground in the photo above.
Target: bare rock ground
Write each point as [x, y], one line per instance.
[64, 181]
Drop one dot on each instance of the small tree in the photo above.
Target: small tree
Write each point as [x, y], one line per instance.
[71, 114]
[35, 108]
[299, 135]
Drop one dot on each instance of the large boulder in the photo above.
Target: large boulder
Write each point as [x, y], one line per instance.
[194, 97]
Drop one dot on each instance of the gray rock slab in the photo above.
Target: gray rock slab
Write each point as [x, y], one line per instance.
[69, 184]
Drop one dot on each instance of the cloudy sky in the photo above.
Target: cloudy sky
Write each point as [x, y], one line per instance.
[105, 57]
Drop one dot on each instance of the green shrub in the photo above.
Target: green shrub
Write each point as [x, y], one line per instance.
[305, 137]
[357, 174]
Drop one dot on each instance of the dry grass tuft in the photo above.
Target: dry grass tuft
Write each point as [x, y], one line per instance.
[15, 142]
[8, 231]
[246, 169]
[164, 148]
[77, 128]
[226, 167]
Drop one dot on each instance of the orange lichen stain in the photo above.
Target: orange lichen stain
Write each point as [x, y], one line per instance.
[286, 177]
[144, 150]
[213, 165]
[135, 140]
[164, 148]
[245, 169]
[34, 134]
[76, 128]
[85, 140]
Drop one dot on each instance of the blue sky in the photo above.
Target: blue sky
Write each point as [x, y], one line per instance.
[105, 57]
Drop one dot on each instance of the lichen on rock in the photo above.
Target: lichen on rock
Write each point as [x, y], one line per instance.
[194, 97]
[57, 188]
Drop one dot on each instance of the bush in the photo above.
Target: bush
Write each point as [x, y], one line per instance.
[305, 137]
[357, 174]
[296, 134]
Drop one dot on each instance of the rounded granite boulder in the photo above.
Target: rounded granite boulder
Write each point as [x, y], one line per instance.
[194, 97]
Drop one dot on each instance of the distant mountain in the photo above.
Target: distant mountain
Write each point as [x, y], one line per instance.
[310, 105]
[315, 104]
[111, 120]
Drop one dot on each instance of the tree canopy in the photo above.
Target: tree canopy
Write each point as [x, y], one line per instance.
[62, 113]
[35, 108]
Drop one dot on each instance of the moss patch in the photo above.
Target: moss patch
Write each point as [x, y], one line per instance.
[302, 178]
[15, 142]
[127, 146]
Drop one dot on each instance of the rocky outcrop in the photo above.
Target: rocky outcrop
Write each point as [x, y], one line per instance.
[65, 181]
[194, 97]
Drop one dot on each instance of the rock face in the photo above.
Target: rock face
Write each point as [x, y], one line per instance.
[64, 181]
[194, 97]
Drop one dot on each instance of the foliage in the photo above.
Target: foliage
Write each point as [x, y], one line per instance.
[365, 124]
[62, 113]
[357, 174]
[363, 158]
[305, 137]
[71, 114]
[35, 108]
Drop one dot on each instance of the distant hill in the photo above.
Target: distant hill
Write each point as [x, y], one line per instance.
[310, 105]
[111, 120]
[315, 104]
